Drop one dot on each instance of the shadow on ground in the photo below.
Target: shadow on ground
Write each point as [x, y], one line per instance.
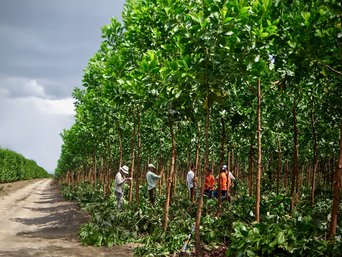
[58, 219]
[57, 251]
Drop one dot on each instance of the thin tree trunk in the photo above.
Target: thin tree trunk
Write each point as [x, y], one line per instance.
[131, 170]
[269, 168]
[315, 157]
[228, 158]
[237, 169]
[331, 174]
[337, 192]
[100, 170]
[286, 179]
[120, 145]
[258, 178]
[161, 165]
[251, 168]
[279, 165]
[294, 182]
[307, 177]
[174, 180]
[198, 248]
[169, 181]
[95, 170]
[198, 145]
[103, 172]
[109, 166]
[138, 172]
[231, 166]
[223, 140]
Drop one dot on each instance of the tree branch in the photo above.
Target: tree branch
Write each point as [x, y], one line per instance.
[338, 72]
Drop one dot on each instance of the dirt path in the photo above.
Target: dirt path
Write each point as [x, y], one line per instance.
[36, 221]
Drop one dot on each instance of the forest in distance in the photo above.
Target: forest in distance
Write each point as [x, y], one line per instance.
[251, 84]
[15, 167]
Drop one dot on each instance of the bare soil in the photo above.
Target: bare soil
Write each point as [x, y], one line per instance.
[36, 221]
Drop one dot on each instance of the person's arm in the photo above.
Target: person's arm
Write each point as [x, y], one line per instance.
[155, 175]
[123, 180]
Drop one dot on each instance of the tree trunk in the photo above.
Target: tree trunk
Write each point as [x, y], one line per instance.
[315, 157]
[120, 145]
[258, 178]
[131, 170]
[294, 182]
[231, 165]
[161, 165]
[95, 170]
[169, 181]
[109, 167]
[198, 145]
[138, 172]
[337, 192]
[307, 176]
[286, 179]
[279, 165]
[174, 179]
[251, 168]
[223, 140]
[269, 168]
[198, 248]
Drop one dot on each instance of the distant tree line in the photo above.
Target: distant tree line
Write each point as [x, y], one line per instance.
[14, 167]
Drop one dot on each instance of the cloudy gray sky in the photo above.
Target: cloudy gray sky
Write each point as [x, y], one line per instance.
[44, 47]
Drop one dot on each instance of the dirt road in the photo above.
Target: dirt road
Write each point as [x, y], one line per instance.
[36, 221]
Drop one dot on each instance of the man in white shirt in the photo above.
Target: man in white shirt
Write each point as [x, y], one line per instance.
[151, 178]
[118, 184]
[191, 181]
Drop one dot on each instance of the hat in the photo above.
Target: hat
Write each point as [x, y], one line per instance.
[124, 169]
[151, 166]
[224, 167]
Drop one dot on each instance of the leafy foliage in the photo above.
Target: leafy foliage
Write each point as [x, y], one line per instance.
[170, 62]
[14, 167]
[302, 234]
[279, 234]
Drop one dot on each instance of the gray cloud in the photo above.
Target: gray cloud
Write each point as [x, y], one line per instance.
[44, 47]
[52, 40]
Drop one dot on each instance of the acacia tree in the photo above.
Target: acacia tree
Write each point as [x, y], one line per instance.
[174, 64]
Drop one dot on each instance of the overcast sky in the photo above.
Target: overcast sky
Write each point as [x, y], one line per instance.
[44, 47]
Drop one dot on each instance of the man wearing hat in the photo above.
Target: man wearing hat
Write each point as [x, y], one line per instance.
[118, 184]
[151, 178]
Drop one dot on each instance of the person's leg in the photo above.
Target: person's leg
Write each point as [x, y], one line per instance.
[215, 194]
[150, 195]
[118, 200]
[192, 194]
[153, 195]
[223, 194]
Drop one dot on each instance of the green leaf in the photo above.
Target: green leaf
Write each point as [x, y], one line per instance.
[178, 93]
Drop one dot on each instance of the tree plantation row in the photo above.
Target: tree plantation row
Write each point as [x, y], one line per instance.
[255, 85]
[14, 167]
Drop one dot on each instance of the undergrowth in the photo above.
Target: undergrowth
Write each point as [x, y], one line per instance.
[303, 233]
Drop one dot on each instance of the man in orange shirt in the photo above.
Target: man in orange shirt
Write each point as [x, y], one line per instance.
[209, 183]
[224, 182]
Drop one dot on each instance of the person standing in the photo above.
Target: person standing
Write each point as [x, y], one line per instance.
[151, 178]
[209, 183]
[191, 182]
[118, 184]
[224, 181]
